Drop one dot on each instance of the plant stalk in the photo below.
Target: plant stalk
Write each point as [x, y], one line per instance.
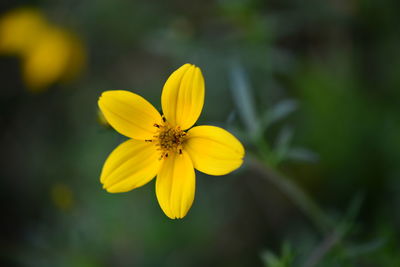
[297, 196]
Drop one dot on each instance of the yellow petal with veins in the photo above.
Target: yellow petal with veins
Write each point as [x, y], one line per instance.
[214, 150]
[182, 97]
[129, 114]
[131, 165]
[175, 185]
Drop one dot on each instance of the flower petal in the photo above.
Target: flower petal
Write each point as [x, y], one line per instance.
[129, 114]
[131, 165]
[175, 185]
[214, 150]
[183, 96]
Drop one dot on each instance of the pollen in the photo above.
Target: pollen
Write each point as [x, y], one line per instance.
[169, 139]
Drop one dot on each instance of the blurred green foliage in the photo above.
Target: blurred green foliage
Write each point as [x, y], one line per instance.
[323, 80]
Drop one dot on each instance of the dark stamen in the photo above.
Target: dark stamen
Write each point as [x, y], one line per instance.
[156, 125]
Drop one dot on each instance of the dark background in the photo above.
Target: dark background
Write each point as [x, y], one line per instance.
[337, 62]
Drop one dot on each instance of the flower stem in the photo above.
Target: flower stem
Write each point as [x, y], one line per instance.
[299, 198]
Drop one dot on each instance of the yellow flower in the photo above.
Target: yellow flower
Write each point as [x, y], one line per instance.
[56, 56]
[62, 196]
[49, 54]
[19, 30]
[101, 119]
[166, 146]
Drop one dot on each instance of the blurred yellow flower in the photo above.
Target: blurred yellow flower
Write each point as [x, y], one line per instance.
[166, 145]
[101, 119]
[56, 56]
[49, 54]
[62, 196]
[19, 30]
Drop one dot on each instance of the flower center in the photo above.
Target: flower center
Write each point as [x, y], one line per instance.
[168, 139]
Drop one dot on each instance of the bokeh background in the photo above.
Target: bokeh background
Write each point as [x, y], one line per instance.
[310, 87]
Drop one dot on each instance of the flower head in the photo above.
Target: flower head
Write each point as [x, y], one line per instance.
[57, 55]
[49, 53]
[19, 30]
[165, 145]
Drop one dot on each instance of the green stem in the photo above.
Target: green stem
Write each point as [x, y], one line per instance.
[299, 198]
[265, 152]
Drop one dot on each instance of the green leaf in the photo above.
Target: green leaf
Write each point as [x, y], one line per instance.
[243, 98]
[278, 112]
[285, 260]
